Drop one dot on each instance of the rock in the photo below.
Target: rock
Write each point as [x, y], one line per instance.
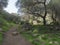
[57, 28]
[51, 42]
[26, 26]
[42, 35]
[37, 40]
[34, 34]
[56, 42]
[15, 33]
[1, 30]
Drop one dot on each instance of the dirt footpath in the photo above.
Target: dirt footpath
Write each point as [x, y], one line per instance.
[10, 39]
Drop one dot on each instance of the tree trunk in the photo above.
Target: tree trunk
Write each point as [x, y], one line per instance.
[44, 20]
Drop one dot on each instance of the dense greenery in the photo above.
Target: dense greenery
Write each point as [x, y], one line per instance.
[44, 14]
[40, 34]
[41, 8]
[34, 7]
[3, 23]
[1, 38]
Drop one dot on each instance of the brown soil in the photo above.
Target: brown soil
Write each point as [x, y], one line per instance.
[10, 39]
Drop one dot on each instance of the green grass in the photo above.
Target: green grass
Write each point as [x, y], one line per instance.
[41, 36]
[1, 38]
[5, 25]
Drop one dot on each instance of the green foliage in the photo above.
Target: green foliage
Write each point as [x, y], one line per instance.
[41, 35]
[3, 3]
[2, 21]
[1, 38]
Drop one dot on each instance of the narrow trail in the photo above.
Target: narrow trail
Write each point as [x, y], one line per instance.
[9, 39]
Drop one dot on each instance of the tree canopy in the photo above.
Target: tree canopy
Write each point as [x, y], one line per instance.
[54, 5]
[3, 3]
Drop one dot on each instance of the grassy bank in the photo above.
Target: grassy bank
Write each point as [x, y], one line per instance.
[1, 38]
[41, 35]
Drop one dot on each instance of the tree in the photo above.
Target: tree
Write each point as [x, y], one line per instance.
[3, 3]
[34, 7]
[54, 6]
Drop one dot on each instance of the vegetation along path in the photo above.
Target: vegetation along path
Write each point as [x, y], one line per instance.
[11, 39]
